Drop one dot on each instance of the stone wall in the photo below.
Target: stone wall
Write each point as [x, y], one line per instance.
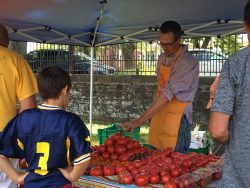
[123, 98]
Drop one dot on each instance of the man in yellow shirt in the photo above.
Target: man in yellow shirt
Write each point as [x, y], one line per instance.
[17, 83]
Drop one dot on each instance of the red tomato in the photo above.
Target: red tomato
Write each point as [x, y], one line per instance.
[193, 168]
[186, 163]
[191, 154]
[172, 166]
[23, 164]
[163, 172]
[105, 155]
[108, 142]
[124, 157]
[168, 152]
[137, 163]
[117, 136]
[96, 171]
[185, 170]
[125, 178]
[170, 184]
[141, 180]
[114, 156]
[130, 145]
[111, 149]
[134, 172]
[198, 163]
[109, 171]
[154, 179]
[120, 168]
[122, 141]
[95, 154]
[175, 172]
[120, 149]
[130, 167]
[101, 149]
[127, 138]
[165, 178]
[167, 160]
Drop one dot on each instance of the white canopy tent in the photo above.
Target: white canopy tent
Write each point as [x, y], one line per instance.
[100, 22]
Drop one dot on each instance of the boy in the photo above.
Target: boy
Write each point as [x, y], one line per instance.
[49, 138]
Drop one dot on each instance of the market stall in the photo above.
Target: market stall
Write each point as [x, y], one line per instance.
[121, 161]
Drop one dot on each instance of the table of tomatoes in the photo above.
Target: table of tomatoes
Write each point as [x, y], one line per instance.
[124, 162]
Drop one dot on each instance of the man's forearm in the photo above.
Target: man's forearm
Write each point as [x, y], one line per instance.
[223, 138]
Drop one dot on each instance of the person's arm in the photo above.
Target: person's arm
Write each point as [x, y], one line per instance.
[10, 171]
[218, 127]
[153, 109]
[75, 172]
[80, 150]
[212, 91]
[27, 103]
[26, 86]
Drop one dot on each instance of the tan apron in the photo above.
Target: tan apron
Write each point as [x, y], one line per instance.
[164, 127]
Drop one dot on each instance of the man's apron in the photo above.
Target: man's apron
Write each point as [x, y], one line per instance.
[164, 127]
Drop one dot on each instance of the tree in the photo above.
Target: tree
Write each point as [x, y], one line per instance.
[205, 42]
[229, 44]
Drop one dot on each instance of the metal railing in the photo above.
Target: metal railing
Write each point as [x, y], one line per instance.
[128, 58]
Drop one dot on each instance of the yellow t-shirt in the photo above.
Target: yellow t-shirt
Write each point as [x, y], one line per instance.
[17, 82]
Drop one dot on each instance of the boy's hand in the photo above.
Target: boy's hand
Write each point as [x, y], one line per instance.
[66, 171]
[21, 177]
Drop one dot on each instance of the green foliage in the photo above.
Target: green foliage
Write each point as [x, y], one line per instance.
[229, 44]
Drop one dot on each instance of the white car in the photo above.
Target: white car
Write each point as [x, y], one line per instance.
[210, 61]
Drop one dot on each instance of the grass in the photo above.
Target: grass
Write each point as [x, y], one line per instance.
[95, 127]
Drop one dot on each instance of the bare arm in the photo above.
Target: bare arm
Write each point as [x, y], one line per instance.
[10, 171]
[153, 109]
[27, 103]
[218, 127]
[74, 173]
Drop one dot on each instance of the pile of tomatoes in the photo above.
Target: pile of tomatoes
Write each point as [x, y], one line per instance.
[119, 148]
[172, 169]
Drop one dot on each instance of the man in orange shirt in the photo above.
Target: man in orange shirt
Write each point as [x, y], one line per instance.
[17, 84]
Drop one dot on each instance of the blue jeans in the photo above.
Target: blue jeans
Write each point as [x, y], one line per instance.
[184, 136]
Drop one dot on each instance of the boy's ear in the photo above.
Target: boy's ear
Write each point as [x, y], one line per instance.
[65, 90]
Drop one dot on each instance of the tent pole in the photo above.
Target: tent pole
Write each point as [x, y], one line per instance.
[91, 90]
[103, 3]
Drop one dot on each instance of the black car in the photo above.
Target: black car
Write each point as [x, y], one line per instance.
[78, 63]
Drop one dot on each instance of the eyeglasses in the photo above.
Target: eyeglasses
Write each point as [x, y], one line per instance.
[169, 44]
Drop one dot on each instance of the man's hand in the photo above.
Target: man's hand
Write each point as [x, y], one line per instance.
[130, 126]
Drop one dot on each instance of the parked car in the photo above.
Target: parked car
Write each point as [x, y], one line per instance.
[210, 61]
[78, 63]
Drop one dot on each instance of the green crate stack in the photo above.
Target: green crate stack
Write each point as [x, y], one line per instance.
[103, 134]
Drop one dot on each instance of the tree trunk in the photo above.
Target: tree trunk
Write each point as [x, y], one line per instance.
[206, 42]
[128, 55]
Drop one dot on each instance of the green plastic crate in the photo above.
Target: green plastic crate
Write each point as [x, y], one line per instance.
[149, 146]
[204, 150]
[103, 134]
